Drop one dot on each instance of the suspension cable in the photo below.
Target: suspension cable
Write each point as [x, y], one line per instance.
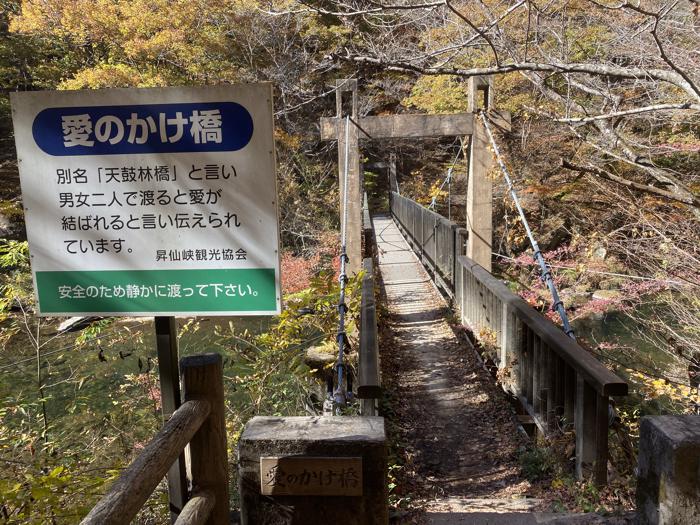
[340, 394]
[545, 271]
[448, 181]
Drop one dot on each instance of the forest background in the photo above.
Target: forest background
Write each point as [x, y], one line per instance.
[605, 149]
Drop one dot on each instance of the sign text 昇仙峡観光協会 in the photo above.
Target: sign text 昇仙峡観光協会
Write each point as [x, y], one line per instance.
[150, 201]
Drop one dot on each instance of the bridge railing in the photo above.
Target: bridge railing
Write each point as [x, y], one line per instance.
[559, 383]
[434, 238]
[369, 388]
[198, 422]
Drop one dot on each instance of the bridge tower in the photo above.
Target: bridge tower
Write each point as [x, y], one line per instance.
[464, 125]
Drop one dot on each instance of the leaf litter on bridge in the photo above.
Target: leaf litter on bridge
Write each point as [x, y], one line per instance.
[454, 434]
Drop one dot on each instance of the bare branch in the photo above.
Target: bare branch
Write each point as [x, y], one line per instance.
[480, 32]
[379, 9]
[593, 170]
[614, 114]
[664, 55]
[603, 70]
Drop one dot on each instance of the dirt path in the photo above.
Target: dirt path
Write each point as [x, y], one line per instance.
[456, 431]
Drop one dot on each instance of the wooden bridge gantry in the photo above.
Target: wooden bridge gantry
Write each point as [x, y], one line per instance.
[414, 126]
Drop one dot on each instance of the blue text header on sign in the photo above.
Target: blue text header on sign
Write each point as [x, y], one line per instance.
[133, 129]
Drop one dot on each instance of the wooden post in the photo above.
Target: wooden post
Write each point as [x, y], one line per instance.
[479, 187]
[569, 396]
[551, 389]
[537, 376]
[516, 369]
[166, 346]
[591, 426]
[202, 378]
[354, 201]
[481, 95]
[560, 372]
[393, 181]
[458, 284]
[528, 355]
[507, 339]
[600, 467]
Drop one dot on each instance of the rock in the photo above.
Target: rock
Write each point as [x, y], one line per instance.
[599, 252]
[611, 284]
[321, 358]
[74, 324]
[558, 233]
[573, 298]
[607, 295]
[12, 226]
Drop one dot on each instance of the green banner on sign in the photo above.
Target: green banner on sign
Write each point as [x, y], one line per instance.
[136, 291]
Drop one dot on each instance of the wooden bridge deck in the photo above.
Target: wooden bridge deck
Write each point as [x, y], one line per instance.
[459, 431]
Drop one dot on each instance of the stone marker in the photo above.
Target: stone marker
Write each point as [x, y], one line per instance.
[338, 456]
[668, 479]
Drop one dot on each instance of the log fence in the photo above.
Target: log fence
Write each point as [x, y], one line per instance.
[198, 422]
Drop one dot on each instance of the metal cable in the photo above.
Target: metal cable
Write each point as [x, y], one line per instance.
[599, 272]
[448, 181]
[545, 272]
[65, 348]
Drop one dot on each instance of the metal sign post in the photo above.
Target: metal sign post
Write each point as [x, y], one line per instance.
[170, 397]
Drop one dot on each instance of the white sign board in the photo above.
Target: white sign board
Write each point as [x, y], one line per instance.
[150, 201]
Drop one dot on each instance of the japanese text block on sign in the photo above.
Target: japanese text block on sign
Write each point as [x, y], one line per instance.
[150, 201]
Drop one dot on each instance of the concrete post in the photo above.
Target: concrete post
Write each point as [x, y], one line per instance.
[313, 471]
[479, 187]
[393, 182]
[481, 95]
[354, 217]
[668, 472]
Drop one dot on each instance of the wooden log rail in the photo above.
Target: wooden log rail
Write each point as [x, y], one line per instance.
[199, 422]
[369, 243]
[559, 383]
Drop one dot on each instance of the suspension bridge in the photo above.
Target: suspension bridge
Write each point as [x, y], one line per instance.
[459, 427]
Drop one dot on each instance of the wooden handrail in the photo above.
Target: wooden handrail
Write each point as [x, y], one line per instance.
[199, 423]
[369, 383]
[128, 494]
[198, 509]
[369, 387]
[599, 377]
